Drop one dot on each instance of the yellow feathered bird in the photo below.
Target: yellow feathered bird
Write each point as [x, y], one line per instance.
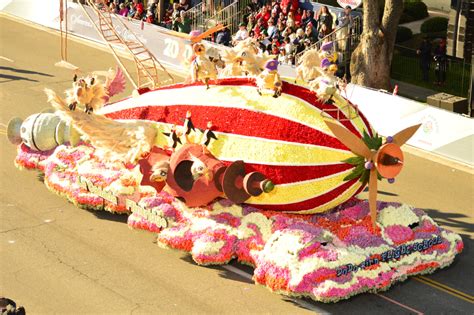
[114, 140]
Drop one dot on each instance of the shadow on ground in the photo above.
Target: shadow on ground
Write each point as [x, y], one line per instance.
[105, 215]
[9, 78]
[23, 71]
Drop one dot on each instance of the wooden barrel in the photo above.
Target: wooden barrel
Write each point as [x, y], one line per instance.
[284, 138]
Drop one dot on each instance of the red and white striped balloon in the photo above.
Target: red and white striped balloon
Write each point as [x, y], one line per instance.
[285, 138]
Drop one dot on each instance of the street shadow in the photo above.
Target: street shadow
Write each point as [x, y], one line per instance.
[105, 215]
[23, 71]
[9, 78]
[227, 274]
[364, 303]
[386, 193]
[188, 258]
[451, 220]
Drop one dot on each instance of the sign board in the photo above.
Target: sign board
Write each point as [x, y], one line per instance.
[351, 3]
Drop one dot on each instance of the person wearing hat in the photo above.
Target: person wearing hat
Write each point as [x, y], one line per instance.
[269, 79]
[242, 34]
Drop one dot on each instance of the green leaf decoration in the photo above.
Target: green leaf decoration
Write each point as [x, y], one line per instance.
[365, 177]
[355, 160]
[356, 172]
[372, 143]
[359, 171]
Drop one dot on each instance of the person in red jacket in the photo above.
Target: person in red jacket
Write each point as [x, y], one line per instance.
[289, 5]
[263, 14]
[149, 17]
[138, 7]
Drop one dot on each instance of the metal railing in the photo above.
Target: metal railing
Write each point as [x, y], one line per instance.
[204, 17]
[406, 67]
[345, 43]
[229, 16]
[197, 14]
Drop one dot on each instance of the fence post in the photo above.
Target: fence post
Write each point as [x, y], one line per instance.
[471, 90]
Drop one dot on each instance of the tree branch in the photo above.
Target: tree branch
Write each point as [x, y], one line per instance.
[391, 16]
[371, 15]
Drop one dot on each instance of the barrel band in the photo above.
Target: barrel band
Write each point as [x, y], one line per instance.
[33, 132]
[56, 134]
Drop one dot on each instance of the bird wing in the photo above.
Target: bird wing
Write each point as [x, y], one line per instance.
[123, 141]
[115, 82]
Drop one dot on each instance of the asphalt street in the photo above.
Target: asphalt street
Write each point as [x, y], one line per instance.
[56, 258]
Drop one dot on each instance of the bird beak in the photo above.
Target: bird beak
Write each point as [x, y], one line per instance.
[206, 174]
[156, 178]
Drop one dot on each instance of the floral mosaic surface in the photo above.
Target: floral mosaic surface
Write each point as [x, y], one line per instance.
[326, 257]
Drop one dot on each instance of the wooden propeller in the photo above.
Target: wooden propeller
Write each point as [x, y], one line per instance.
[387, 161]
[198, 38]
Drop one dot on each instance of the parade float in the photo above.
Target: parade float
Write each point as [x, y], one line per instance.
[248, 167]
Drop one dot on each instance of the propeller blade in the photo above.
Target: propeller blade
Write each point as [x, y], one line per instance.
[205, 34]
[402, 136]
[350, 140]
[373, 195]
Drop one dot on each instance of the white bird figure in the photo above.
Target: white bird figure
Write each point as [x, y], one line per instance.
[199, 169]
[159, 171]
[91, 94]
[202, 69]
[114, 140]
[233, 64]
[307, 69]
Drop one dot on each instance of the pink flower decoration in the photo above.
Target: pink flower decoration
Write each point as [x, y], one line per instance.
[399, 234]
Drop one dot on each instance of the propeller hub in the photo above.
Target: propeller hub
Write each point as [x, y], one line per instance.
[389, 160]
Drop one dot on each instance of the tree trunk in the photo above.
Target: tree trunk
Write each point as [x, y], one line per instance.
[372, 59]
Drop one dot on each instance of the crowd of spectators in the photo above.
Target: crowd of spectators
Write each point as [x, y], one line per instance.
[284, 29]
[175, 16]
[281, 27]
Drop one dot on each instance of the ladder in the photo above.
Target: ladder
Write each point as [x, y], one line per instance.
[146, 63]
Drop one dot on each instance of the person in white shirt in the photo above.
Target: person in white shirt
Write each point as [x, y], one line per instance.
[241, 34]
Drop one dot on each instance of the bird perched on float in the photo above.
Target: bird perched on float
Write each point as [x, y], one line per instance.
[327, 85]
[188, 126]
[253, 62]
[269, 79]
[159, 171]
[114, 82]
[91, 94]
[307, 70]
[202, 69]
[328, 51]
[199, 169]
[173, 138]
[233, 64]
[113, 140]
[208, 135]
